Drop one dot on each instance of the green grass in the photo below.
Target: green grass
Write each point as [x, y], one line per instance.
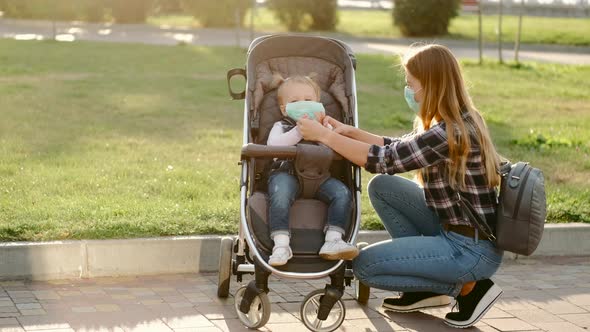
[120, 140]
[535, 30]
[374, 23]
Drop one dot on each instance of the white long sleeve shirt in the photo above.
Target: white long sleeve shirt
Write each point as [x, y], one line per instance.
[278, 137]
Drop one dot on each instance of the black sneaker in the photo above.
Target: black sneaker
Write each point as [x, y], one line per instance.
[474, 305]
[414, 301]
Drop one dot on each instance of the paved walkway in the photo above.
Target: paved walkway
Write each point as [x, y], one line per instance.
[551, 294]
[140, 33]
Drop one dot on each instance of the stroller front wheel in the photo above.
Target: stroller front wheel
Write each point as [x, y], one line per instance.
[259, 313]
[309, 313]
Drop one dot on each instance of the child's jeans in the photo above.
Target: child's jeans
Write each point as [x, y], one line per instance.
[283, 189]
[421, 256]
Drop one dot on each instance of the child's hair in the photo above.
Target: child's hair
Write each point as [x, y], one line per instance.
[280, 82]
[445, 97]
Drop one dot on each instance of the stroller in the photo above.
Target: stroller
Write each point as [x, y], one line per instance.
[334, 63]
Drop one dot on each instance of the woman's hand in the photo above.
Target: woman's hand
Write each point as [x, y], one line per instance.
[338, 126]
[312, 130]
[349, 148]
[320, 116]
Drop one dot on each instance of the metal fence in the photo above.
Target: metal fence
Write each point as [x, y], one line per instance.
[558, 8]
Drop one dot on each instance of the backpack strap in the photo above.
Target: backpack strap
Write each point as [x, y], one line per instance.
[474, 218]
[517, 174]
[505, 168]
[469, 210]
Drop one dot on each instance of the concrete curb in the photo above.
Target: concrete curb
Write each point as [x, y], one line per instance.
[190, 254]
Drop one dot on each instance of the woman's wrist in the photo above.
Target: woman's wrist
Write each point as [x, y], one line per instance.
[326, 137]
[351, 131]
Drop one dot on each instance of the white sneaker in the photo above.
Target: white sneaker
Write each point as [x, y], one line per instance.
[334, 250]
[280, 255]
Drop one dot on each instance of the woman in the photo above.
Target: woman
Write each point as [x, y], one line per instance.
[434, 252]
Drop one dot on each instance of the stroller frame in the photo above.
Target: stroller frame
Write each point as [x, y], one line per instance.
[251, 301]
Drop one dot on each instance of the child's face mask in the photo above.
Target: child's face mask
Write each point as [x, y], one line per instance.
[298, 109]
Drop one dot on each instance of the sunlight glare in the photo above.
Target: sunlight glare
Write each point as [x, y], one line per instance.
[65, 37]
[28, 36]
[183, 37]
[74, 31]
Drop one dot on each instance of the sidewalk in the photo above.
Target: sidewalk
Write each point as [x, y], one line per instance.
[550, 294]
[141, 33]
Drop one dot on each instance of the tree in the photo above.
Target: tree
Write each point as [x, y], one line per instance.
[424, 17]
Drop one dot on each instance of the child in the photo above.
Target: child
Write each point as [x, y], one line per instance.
[283, 185]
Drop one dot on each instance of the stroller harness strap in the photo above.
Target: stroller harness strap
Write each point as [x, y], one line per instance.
[312, 166]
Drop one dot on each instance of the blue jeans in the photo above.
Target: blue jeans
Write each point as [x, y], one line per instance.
[421, 256]
[283, 189]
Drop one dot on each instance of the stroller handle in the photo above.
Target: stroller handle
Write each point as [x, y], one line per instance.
[252, 150]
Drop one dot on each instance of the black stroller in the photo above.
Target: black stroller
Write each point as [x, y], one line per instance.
[334, 63]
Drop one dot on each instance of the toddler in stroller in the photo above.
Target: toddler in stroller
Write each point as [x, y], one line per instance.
[301, 93]
[307, 217]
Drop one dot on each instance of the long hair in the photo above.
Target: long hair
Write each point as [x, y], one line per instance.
[445, 97]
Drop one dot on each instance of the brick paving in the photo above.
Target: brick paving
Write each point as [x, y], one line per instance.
[549, 294]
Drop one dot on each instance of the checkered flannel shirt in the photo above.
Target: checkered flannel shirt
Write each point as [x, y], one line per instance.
[430, 150]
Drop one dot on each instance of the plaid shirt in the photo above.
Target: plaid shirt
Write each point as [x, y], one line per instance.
[430, 150]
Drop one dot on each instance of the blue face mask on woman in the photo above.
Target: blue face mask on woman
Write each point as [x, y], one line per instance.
[410, 95]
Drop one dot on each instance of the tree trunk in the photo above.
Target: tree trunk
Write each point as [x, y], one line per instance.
[238, 23]
[480, 34]
[252, 13]
[500, 32]
[518, 32]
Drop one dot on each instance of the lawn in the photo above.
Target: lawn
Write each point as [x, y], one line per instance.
[103, 140]
[375, 23]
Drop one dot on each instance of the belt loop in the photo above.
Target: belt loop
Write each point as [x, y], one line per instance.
[476, 236]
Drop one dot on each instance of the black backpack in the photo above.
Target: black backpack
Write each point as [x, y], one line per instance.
[521, 212]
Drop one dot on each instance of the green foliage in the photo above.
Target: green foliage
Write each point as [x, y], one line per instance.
[42, 9]
[300, 15]
[217, 13]
[568, 206]
[168, 6]
[425, 17]
[128, 11]
[289, 13]
[93, 10]
[324, 15]
[131, 11]
[538, 140]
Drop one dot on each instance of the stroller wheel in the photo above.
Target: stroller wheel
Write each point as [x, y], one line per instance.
[259, 312]
[309, 313]
[225, 267]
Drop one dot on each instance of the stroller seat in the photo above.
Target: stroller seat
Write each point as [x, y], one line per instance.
[307, 218]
